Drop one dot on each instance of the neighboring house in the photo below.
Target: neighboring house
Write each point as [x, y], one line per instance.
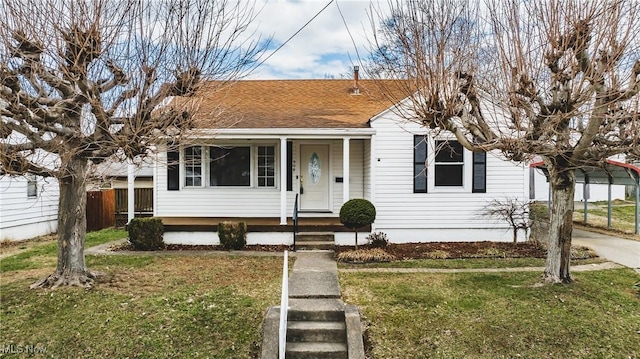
[114, 175]
[28, 207]
[111, 174]
[327, 141]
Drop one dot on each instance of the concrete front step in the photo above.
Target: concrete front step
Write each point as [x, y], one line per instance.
[314, 331]
[316, 351]
[315, 245]
[317, 310]
[315, 237]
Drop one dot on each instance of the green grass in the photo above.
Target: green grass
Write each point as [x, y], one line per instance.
[145, 307]
[463, 263]
[40, 255]
[504, 315]
[622, 216]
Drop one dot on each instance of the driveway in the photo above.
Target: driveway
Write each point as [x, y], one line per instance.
[619, 250]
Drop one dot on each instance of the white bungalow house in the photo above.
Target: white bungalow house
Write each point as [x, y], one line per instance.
[324, 142]
[28, 207]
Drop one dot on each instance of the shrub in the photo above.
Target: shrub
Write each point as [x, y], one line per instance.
[145, 234]
[378, 240]
[366, 256]
[357, 213]
[233, 235]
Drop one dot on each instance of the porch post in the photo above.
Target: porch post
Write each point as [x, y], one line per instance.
[345, 169]
[283, 181]
[131, 177]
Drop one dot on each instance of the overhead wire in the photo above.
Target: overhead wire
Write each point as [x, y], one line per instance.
[294, 35]
[344, 21]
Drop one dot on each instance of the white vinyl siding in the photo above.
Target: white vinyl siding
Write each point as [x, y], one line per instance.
[22, 217]
[399, 207]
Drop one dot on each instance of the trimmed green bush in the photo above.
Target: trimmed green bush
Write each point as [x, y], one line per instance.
[357, 213]
[146, 234]
[233, 235]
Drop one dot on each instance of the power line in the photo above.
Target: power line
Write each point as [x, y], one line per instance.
[294, 35]
[351, 36]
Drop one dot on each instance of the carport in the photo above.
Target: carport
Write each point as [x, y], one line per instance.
[610, 173]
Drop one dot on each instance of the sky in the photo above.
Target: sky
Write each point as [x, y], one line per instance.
[324, 48]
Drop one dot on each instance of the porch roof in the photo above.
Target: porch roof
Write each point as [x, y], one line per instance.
[610, 172]
[273, 104]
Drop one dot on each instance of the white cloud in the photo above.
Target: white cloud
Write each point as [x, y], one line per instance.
[323, 47]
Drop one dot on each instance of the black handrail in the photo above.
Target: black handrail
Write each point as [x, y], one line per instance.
[295, 222]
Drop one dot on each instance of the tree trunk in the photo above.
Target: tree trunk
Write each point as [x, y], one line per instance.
[356, 230]
[563, 182]
[72, 228]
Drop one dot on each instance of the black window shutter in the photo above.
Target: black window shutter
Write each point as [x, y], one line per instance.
[289, 166]
[420, 164]
[173, 170]
[479, 172]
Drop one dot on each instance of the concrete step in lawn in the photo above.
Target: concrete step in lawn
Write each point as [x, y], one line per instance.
[312, 331]
[316, 351]
[315, 241]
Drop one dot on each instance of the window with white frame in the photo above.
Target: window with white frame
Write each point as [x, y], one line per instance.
[230, 166]
[32, 186]
[449, 164]
[193, 166]
[266, 166]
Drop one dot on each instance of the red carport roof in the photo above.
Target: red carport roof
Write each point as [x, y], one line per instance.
[611, 171]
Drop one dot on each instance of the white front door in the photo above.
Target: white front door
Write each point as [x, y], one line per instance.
[314, 178]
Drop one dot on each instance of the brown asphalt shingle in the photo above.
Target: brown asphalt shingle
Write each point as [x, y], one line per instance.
[292, 104]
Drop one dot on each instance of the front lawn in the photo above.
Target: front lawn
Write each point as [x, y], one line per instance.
[497, 315]
[146, 306]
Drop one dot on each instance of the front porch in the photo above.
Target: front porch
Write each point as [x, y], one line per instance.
[266, 224]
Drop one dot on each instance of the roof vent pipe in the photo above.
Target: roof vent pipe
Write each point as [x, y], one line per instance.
[356, 77]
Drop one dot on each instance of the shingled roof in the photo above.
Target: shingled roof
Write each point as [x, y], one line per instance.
[290, 104]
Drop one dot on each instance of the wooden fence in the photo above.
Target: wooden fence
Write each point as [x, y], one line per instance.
[101, 209]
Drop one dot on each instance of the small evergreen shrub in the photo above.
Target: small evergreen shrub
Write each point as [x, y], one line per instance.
[146, 234]
[366, 256]
[233, 235]
[378, 240]
[357, 213]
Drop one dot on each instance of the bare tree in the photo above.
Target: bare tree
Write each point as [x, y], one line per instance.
[84, 80]
[557, 78]
[512, 210]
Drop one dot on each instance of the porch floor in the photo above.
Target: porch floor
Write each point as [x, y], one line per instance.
[264, 224]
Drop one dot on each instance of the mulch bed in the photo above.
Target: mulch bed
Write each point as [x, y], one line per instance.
[186, 247]
[431, 250]
[455, 250]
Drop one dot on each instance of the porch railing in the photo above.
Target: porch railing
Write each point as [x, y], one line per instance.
[295, 221]
[284, 308]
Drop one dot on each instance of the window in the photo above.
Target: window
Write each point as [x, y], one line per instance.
[230, 166]
[419, 164]
[266, 166]
[32, 186]
[449, 164]
[193, 166]
[225, 166]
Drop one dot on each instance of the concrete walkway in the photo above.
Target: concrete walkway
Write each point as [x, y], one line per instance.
[315, 275]
[618, 250]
